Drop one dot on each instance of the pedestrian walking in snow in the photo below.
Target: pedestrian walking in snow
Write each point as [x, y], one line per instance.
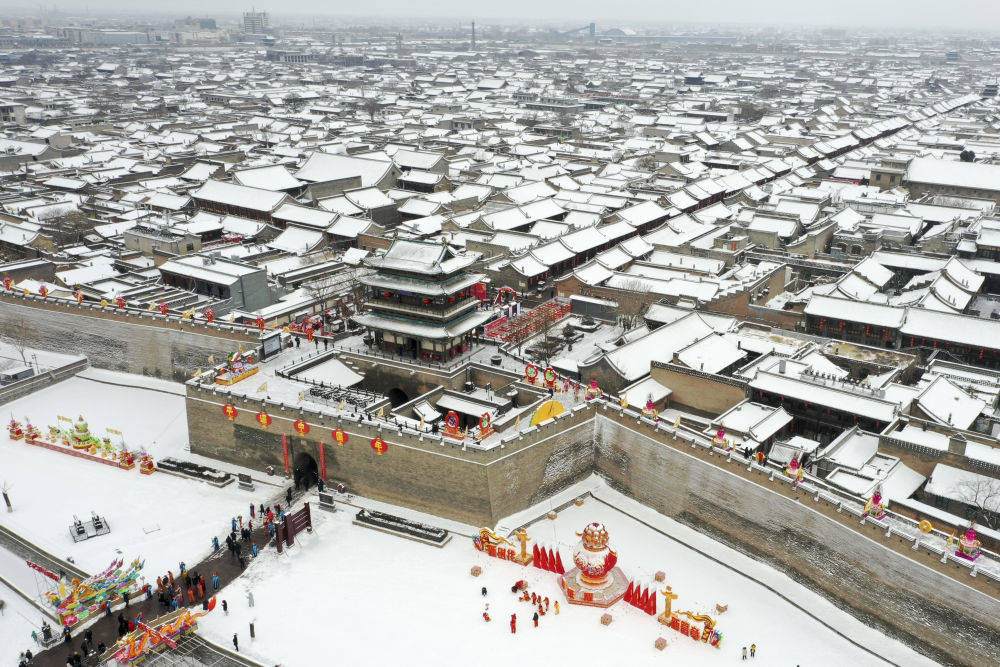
[484, 591]
[253, 511]
[557, 607]
[535, 619]
[225, 608]
[253, 549]
[744, 652]
[240, 517]
[215, 581]
[125, 597]
[753, 650]
[288, 495]
[236, 642]
[233, 524]
[249, 598]
[215, 544]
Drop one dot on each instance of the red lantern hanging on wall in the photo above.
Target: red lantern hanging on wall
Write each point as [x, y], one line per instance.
[340, 437]
[230, 411]
[300, 427]
[264, 419]
[378, 444]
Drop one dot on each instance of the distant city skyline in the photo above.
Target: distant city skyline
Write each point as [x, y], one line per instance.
[979, 15]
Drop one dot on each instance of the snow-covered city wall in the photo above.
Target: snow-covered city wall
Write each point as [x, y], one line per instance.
[905, 597]
[140, 343]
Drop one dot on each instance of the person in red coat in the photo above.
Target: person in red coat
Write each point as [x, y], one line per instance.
[513, 623]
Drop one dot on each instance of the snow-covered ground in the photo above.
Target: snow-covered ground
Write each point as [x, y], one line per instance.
[162, 518]
[382, 599]
[17, 620]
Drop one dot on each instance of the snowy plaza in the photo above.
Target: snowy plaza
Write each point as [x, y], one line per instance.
[387, 600]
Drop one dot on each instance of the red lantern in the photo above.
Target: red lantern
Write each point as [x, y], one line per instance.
[264, 419]
[121, 302]
[340, 437]
[8, 283]
[163, 308]
[378, 444]
[301, 427]
[230, 411]
[209, 315]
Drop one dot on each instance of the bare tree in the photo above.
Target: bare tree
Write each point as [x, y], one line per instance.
[371, 107]
[983, 495]
[324, 288]
[66, 227]
[15, 331]
[633, 302]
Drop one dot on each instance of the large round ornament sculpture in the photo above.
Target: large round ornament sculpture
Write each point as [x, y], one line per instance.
[596, 580]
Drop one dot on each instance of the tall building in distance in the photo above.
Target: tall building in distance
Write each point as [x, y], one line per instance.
[255, 23]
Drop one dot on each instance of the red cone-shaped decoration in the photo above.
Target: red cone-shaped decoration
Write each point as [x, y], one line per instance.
[534, 556]
[559, 566]
[629, 593]
[552, 560]
[543, 559]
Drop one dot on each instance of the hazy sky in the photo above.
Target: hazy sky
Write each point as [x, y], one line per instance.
[977, 14]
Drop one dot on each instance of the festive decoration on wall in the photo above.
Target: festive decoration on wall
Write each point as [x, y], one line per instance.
[44, 291]
[452, 425]
[322, 461]
[340, 437]
[264, 419]
[546, 411]
[550, 376]
[260, 322]
[874, 507]
[485, 425]
[531, 373]
[926, 526]
[795, 471]
[120, 301]
[378, 444]
[300, 427]
[163, 308]
[8, 283]
[969, 547]
[230, 411]
[209, 315]
[650, 411]
[593, 391]
[239, 366]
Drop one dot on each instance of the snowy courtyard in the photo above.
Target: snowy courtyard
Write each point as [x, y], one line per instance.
[382, 599]
[160, 517]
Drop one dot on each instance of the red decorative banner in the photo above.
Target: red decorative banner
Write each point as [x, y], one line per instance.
[378, 444]
[284, 451]
[38, 568]
[230, 411]
[340, 437]
[300, 427]
[264, 419]
[322, 461]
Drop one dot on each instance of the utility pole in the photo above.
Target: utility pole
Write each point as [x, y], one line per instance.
[472, 47]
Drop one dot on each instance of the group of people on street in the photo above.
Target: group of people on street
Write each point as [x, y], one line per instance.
[87, 647]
